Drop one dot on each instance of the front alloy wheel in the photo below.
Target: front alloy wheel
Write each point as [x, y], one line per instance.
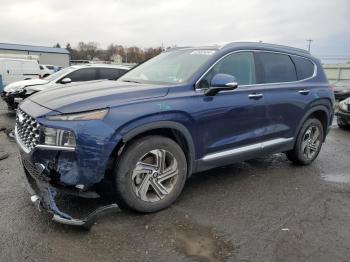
[155, 175]
[150, 174]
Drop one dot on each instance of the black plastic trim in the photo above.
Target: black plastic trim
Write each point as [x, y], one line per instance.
[166, 124]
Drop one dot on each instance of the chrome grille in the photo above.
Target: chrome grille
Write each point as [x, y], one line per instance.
[27, 130]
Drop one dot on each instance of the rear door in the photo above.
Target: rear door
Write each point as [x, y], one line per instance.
[286, 94]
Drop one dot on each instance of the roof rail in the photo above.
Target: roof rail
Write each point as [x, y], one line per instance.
[177, 48]
[261, 44]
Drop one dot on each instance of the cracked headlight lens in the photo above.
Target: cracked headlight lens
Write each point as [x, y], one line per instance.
[89, 115]
[58, 137]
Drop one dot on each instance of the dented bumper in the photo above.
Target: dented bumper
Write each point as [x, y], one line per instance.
[43, 194]
[13, 99]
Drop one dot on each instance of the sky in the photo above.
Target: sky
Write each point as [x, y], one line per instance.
[150, 23]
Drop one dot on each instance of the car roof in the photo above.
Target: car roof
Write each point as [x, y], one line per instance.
[99, 66]
[19, 59]
[251, 46]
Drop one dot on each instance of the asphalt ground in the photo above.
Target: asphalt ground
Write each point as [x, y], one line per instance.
[260, 210]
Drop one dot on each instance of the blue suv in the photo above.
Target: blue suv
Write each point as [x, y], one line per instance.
[186, 110]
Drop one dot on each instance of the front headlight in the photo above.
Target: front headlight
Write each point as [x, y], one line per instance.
[344, 105]
[89, 115]
[58, 137]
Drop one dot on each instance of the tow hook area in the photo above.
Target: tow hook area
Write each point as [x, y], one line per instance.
[43, 198]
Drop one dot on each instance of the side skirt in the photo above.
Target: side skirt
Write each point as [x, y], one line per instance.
[239, 154]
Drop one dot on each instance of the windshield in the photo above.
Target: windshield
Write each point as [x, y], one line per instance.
[59, 74]
[174, 67]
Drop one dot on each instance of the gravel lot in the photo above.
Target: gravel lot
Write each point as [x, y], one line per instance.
[261, 210]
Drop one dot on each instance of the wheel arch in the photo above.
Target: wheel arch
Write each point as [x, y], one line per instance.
[174, 130]
[322, 112]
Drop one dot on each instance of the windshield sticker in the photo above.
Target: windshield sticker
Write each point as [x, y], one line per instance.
[202, 52]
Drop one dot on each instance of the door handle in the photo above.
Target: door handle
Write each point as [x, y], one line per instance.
[255, 96]
[304, 92]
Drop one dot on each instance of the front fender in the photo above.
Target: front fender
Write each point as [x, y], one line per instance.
[176, 121]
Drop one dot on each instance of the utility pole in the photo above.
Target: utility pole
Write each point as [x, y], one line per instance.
[309, 40]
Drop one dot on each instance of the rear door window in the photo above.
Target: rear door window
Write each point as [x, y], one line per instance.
[274, 68]
[85, 74]
[305, 68]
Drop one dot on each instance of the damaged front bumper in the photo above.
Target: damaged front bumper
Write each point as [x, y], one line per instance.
[43, 197]
[343, 117]
[13, 99]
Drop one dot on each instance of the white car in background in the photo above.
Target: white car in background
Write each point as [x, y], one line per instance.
[14, 93]
[13, 69]
[46, 70]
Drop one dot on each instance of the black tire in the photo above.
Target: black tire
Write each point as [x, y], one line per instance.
[297, 154]
[341, 124]
[127, 197]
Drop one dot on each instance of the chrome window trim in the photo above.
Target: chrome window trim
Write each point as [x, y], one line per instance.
[243, 149]
[264, 84]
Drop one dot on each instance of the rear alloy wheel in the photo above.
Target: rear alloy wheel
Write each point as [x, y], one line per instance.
[308, 143]
[311, 142]
[150, 174]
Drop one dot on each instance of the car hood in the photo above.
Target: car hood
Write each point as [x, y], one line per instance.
[51, 85]
[342, 89]
[19, 85]
[94, 95]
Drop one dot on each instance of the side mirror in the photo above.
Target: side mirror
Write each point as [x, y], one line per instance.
[221, 82]
[66, 80]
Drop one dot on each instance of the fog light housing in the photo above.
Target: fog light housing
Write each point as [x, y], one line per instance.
[58, 137]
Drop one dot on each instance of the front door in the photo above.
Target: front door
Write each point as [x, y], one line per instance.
[231, 121]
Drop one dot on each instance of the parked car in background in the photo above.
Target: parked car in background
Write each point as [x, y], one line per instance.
[341, 90]
[16, 92]
[12, 70]
[184, 111]
[343, 114]
[46, 70]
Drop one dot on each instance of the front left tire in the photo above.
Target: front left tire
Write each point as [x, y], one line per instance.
[150, 174]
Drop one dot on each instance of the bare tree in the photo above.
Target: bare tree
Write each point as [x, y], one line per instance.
[90, 51]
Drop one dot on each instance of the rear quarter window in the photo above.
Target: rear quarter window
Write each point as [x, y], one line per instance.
[304, 67]
[274, 68]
